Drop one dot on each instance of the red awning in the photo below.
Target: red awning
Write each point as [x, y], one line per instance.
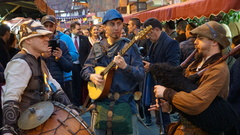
[188, 9]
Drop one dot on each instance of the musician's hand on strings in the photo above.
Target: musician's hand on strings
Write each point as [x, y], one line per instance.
[158, 90]
[146, 65]
[97, 79]
[120, 62]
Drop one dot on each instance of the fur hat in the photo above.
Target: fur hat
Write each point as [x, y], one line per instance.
[227, 29]
[214, 31]
[110, 15]
[49, 18]
[235, 28]
[30, 29]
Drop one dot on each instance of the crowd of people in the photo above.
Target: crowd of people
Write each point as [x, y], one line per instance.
[70, 59]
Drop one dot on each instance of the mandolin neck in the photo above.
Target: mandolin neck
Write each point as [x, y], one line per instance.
[122, 52]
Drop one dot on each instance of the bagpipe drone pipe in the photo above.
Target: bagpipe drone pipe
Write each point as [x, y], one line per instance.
[219, 117]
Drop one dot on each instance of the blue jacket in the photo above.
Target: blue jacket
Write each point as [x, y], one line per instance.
[124, 80]
[72, 50]
[57, 67]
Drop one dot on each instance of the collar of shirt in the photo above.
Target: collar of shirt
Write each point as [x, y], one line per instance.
[202, 62]
[73, 38]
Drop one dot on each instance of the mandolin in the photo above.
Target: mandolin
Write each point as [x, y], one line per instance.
[100, 92]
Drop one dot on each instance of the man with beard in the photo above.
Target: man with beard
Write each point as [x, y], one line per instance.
[128, 73]
[58, 58]
[211, 39]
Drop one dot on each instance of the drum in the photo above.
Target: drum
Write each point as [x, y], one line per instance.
[63, 121]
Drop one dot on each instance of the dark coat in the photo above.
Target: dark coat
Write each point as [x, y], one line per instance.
[187, 47]
[4, 54]
[181, 37]
[165, 50]
[234, 92]
[84, 49]
[2, 80]
[64, 64]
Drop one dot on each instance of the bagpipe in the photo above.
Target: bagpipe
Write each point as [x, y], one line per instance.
[219, 117]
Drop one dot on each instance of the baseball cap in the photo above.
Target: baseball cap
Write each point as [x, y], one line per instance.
[49, 18]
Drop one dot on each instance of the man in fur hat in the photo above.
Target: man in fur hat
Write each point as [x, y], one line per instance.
[25, 75]
[211, 39]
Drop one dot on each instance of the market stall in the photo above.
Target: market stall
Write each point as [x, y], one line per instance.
[24, 8]
[188, 9]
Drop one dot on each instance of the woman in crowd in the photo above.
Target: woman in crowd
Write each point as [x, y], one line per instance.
[94, 34]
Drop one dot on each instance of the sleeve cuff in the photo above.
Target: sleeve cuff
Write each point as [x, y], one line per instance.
[8, 129]
[168, 94]
[128, 69]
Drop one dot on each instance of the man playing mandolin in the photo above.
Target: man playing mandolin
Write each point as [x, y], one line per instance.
[118, 102]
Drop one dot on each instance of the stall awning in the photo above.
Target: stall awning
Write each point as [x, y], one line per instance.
[70, 17]
[24, 8]
[188, 9]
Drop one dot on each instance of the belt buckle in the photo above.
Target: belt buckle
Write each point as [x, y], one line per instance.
[116, 96]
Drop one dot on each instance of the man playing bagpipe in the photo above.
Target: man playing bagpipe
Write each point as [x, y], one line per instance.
[212, 84]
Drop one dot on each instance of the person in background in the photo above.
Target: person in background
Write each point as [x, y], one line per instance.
[83, 47]
[181, 29]
[130, 71]
[86, 32]
[12, 45]
[188, 46]
[26, 86]
[57, 58]
[134, 25]
[101, 31]
[67, 32]
[163, 49]
[124, 32]
[94, 34]
[169, 28]
[2, 82]
[4, 36]
[4, 58]
[234, 91]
